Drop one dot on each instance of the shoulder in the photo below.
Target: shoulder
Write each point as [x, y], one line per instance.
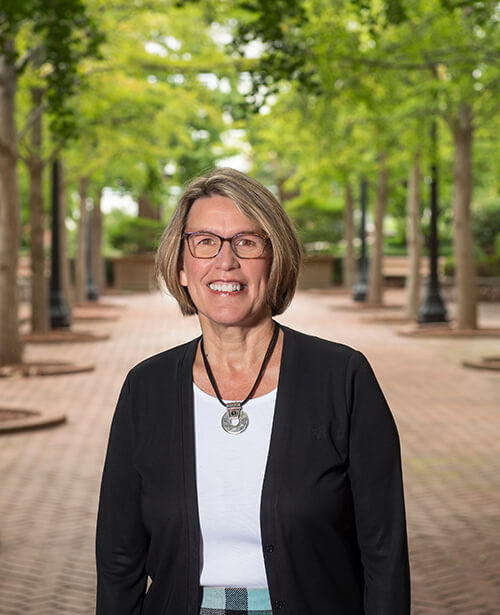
[163, 364]
[319, 349]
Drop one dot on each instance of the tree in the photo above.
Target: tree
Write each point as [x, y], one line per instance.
[61, 34]
[345, 98]
[147, 105]
[98, 266]
[81, 238]
[34, 162]
[376, 278]
[413, 239]
[10, 343]
[348, 264]
[145, 119]
[445, 52]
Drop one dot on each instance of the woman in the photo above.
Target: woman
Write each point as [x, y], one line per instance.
[255, 469]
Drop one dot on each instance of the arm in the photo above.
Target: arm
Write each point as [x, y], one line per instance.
[377, 488]
[122, 540]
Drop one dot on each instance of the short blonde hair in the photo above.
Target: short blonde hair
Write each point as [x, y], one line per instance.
[259, 205]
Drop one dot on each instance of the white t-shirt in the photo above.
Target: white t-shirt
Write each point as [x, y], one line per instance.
[230, 471]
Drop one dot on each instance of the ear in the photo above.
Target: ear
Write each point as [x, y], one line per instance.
[182, 273]
[183, 277]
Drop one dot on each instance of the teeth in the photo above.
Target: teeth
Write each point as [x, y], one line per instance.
[225, 287]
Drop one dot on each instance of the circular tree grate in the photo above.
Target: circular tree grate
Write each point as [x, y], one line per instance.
[63, 336]
[43, 368]
[9, 414]
[491, 364]
[22, 419]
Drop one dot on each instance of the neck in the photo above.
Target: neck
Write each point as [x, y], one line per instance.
[265, 361]
[239, 347]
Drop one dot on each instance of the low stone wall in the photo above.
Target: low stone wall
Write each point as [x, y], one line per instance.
[135, 273]
[395, 269]
[316, 272]
[488, 289]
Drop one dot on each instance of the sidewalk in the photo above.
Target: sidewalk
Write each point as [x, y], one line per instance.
[448, 417]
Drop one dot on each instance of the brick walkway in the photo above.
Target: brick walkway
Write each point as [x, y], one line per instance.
[448, 417]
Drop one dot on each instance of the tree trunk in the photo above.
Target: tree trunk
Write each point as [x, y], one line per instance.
[146, 207]
[465, 270]
[64, 263]
[10, 340]
[375, 293]
[80, 264]
[97, 257]
[39, 299]
[413, 240]
[349, 264]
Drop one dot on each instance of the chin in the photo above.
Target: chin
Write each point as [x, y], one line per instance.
[230, 318]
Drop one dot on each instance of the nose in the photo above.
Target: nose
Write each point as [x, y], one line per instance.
[226, 259]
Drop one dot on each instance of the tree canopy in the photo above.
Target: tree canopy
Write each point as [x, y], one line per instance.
[312, 95]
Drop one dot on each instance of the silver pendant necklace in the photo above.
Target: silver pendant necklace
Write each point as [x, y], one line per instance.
[235, 419]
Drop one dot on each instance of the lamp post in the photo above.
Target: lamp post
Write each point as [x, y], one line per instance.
[58, 310]
[92, 290]
[433, 308]
[360, 288]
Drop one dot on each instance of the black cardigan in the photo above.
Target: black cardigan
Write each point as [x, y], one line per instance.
[332, 511]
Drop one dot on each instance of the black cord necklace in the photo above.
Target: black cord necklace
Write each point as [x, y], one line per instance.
[235, 419]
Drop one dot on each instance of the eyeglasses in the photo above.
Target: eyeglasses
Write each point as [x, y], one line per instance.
[203, 244]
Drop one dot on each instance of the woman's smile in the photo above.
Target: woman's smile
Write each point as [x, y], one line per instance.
[226, 287]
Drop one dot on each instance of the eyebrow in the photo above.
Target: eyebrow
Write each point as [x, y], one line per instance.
[237, 233]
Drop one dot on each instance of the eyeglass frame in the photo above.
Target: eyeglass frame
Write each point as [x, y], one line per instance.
[187, 234]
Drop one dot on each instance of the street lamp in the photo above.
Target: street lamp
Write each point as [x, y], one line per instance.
[360, 288]
[58, 310]
[433, 308]
[92, 290]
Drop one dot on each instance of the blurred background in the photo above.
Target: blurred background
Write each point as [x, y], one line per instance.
[350, 111]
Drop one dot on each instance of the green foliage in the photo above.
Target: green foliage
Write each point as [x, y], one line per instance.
[394, 11]
[148, 121]
[280, 26]
[319, 224]
[69, 35]
[497, 245]
[486, 227]
[350, 79]
[52, 37]
[132, 235]
[396, 243]
[486, 266]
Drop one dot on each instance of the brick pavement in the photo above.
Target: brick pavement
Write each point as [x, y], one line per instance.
[448, 417]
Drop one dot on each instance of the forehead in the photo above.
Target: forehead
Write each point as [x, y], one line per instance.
[218, 213]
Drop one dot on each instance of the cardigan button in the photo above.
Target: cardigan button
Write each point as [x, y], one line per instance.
[269, 548]
[279, 604]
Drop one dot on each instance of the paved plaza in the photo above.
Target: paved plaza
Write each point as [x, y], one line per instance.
[448, 418]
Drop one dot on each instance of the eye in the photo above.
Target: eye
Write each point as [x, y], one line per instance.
[246, 242]
[205, 240]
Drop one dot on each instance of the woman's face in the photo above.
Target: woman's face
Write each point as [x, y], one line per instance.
[244, 303]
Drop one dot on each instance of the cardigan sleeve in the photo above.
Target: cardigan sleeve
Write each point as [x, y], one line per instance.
[377, 489]
[121, 538]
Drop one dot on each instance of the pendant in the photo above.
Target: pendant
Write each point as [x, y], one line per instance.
[235, 419]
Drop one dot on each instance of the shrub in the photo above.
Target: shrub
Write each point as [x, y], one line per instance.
[486, 227]
[486, 266]
[135, 235]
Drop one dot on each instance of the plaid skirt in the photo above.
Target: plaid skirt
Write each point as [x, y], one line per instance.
[235, 601]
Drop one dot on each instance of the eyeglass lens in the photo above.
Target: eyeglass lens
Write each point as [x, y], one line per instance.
[244, 245]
